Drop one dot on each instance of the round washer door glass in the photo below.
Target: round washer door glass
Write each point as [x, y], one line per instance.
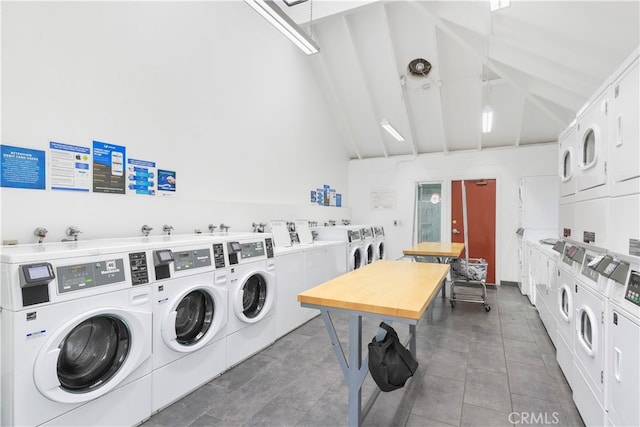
[254, 295]
[92, 353]
[357, 259]
[194, 316]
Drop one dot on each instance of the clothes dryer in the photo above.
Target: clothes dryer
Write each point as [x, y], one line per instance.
[568, 164]
[622, 383]
[592, 125]
[252, 295]
[565, 311]
[76, 331]
[190, 300]
[591, 302]
[352, 236]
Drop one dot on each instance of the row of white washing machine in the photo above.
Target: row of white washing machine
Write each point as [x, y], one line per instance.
[589, 301]
[365, 244]
[108, 332]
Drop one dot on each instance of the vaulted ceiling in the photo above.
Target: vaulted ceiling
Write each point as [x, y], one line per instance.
[535, 62]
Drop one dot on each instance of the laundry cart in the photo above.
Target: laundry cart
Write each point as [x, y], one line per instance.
[468, 273]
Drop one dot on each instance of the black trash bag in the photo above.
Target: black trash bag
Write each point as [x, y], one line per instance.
[390, 363]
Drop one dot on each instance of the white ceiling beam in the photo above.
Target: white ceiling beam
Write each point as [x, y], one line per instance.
[401, 91]
[375, 114]
[444, 27]
[520, 120]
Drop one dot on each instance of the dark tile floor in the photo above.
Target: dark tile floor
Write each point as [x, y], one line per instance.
[476, 369]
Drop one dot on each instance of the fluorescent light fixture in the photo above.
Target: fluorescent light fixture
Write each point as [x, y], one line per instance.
[487, 118]
[498, 4]
[281, 21]
[392, 131]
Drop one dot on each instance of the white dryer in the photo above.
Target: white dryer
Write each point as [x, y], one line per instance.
[591, 300]
[252, 296]
[565, 312]
[380, 242]
[190, 300]
[76, 331]
[352, 236]
[622, 382]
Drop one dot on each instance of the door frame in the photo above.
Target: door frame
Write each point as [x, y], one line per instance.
[445, 212]
[498, 236]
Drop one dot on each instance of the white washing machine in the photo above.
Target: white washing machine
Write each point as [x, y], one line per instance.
[591, 300]
[622, 382]
[76, 331]
[291, 281]
[546, 288]
[565, 312]
[368, 244]
[592, 125]
[380, 245]
[252, 297]
[190, 313]
[352, 236]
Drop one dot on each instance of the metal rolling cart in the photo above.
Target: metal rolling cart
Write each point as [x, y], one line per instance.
[468, 272]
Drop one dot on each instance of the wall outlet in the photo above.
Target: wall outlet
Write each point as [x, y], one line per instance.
[396, 222]
[10, 242]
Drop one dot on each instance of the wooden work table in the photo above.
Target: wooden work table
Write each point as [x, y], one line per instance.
[393, 291]
[435, 249]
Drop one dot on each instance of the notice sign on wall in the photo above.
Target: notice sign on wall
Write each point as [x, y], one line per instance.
[166, 182]
[383, 200]
[22, 168]
[141, 177]
[69, 167]
[108, 168]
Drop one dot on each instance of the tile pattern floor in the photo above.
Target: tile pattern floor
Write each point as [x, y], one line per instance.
[476, 369]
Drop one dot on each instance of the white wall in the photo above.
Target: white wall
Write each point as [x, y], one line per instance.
[399, 176]
[207, 89]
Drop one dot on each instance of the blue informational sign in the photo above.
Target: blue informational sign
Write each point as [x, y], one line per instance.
[338, 200]
[166, 182]
[141, 177]
[69, 167]
[108, 168]
[22, 168]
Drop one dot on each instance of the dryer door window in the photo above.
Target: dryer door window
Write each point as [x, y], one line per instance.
[381, 251]
[566, 165]
[92, 353]
[194, 317]
[254, 296]
[589, 149]
[369, 254]
[357, 259]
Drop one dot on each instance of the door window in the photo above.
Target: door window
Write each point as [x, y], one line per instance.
[589, 148]
[254, 295]
[429, 212]
[565, 304]
[566, 165]
[586, 330]
[357, 259]
[92, 353]
[194, 317]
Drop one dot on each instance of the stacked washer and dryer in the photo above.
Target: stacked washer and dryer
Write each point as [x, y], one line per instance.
[76, 334]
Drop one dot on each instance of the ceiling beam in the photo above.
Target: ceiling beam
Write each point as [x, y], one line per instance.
[367, 86]
[520, 120]
[405, 104]
[444, 27]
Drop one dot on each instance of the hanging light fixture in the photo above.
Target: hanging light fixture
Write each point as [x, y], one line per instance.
[281, 21]
[487, 118]
[392, 131]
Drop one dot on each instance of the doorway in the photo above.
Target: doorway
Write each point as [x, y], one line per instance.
[428, 212]
[481, 220]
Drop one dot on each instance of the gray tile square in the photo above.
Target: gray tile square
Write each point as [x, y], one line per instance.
[439, 399]
[473, 416]
[487, 389]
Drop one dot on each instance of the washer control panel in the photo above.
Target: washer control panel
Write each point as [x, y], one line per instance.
[252, 250]
[82, 276]
[186, 260]
[354, 235]
[139, 268]
[218, 255]
[633, 288]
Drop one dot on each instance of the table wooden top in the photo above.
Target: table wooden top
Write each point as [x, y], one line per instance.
[435, 249]
[393, 288]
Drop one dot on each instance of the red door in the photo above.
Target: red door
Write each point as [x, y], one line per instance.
[481, 220]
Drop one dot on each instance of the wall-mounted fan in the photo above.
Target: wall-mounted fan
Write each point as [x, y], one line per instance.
[419, 67]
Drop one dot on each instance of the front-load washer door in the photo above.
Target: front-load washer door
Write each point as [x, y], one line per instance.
[194, 318]
[254, 297]
[381, 254]
[356, 260]
[92, 354]
[370, 253]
